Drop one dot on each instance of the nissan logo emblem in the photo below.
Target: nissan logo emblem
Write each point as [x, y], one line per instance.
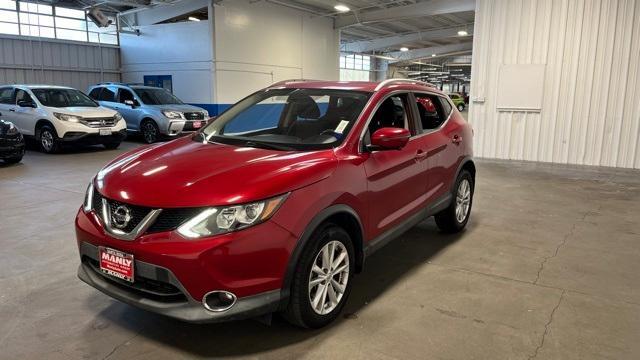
[121, 216]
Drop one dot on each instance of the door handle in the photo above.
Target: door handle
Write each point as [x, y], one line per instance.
[420, 155]
[457, 139]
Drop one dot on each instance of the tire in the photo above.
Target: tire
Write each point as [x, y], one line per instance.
[48, 140]
[449, 220]
[150, 132]
[460, 107]
[300, 311]
[112, 145]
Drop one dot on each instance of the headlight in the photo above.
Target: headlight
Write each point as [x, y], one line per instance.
[13, 130]
[117, 117]
[213, 221]
[172, 114]
[67, 117]
[88, 198]
[206, 113]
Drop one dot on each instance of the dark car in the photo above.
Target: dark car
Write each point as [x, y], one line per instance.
[11, 143]
[275, 205]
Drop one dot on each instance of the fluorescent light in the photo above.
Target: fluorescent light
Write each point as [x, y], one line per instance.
[404, 48]
[463, 33]
[433, 55]
[193, 18]
[341, 8]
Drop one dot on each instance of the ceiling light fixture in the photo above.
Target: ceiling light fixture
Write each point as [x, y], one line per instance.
[433, 55]
[193, 18]
[341, 8]
[403, 49]
[463, 33]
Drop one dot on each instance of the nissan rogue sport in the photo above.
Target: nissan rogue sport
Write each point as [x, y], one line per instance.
[152, 111]
[274, 206]
[57, 115]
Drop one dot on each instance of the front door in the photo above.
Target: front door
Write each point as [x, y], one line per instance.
[24, 118]
[395, 180]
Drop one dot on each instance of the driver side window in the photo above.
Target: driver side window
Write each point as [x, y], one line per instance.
[392, 112]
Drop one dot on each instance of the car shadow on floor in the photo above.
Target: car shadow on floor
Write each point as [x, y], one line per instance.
[382, 270]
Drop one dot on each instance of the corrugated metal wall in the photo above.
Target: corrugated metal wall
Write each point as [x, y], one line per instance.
[29, 60]
[591, 104]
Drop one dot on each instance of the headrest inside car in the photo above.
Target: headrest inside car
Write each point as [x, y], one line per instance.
[303, 106]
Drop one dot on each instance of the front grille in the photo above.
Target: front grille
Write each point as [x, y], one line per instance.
[154, 289]
[99, 122]
[171, 219]
[194, 116]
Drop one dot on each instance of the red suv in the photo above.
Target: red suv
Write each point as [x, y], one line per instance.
[274, 206]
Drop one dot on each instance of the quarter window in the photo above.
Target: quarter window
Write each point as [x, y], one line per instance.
[108, 94]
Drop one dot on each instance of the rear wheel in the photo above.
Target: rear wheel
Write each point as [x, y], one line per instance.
[455, 217]
[322, 280]
[48, 139]
[460, 107]
[150, 131]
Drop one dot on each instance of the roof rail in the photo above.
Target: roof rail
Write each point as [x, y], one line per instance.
[285, 82]
[410, 81]
[117, 83]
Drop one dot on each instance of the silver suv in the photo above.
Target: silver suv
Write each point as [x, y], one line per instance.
[152, 111]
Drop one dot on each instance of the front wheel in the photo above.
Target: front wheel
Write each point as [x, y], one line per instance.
[455, 217]
[322, 280]
[150, 131]
[48, 139]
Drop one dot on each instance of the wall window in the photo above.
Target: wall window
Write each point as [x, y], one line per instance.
[355, 67]
[42, 20]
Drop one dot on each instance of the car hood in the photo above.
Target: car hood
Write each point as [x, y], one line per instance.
[186, 173]
[85, 111]
[177, 107]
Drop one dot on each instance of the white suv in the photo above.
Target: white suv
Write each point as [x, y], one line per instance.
[57, 115]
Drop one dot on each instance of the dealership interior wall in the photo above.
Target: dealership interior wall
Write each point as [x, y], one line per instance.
[546, 267]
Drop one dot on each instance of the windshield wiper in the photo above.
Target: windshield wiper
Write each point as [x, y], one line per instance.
[267, 145]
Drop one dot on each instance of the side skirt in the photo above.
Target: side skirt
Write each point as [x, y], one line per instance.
[391, 234]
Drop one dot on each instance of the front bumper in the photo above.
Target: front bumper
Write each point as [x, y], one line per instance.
[181, 307]
[85, 138]
[181, 127]
[12, 147]
[250, 264]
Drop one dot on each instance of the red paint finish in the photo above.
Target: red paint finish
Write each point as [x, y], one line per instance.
[382, 187]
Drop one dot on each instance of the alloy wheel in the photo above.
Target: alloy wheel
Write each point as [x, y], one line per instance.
[149, 132]
[46, 139]
[328, 278]
[463, 200]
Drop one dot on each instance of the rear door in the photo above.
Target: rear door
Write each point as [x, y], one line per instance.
[395, 178]
[438, 137]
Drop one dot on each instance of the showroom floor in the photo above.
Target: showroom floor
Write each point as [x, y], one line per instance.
[548, 268]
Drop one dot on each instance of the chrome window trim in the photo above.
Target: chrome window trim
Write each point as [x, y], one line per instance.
[130, 236]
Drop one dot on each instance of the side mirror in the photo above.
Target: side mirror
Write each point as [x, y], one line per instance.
[389, 138]
[131, 103]
[26, 103]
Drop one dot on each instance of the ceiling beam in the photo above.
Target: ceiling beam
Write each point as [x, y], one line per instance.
[410, 55]
[428, 8]
[390, 41]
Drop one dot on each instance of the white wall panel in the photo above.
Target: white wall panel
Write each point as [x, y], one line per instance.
[590, 109]
[31, 60]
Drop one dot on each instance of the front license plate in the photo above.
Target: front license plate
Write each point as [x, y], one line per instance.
[116, 263]
[197, 124]
[105, 132]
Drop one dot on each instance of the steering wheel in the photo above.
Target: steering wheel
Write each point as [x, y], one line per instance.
[328, 132]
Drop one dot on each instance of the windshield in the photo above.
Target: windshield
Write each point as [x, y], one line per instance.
[287, 119]
[63, 98]
[156, 96]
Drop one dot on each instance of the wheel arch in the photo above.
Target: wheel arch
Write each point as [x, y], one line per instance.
[466, 164]
[340, 214]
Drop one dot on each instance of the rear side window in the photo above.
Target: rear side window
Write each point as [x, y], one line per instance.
[431, 111]
[6, 96]
[95, 93]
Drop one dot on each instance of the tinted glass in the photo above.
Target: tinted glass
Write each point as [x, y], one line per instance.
[108, 94]
[95, 93]
[125, 94]
[391, 113]
[289, 119]
[156, 96]
[22, 95]
[6, 95]
[63, 98]
[430, 110]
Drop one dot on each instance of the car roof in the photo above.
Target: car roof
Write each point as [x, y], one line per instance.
[125, 85]
[39, 86]
[367, 86]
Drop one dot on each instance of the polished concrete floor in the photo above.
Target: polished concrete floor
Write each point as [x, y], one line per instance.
[549, 268]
